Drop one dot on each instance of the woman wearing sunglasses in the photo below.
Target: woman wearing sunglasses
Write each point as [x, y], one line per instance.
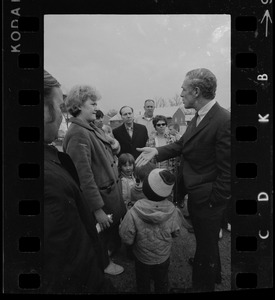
[162, 137]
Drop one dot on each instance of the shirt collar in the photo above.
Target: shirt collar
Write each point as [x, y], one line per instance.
[205, 109]
[129, 127]
[148, 119]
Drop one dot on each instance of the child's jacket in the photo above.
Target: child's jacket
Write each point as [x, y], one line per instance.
[127, 183]
[150, 226]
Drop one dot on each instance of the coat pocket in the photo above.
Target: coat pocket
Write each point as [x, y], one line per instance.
[107, 187]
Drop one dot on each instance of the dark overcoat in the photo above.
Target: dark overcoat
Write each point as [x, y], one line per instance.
[71, 248]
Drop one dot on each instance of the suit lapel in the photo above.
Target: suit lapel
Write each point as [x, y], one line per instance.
[135, 133]
[189, 131]
[203, 123]
[125, 133]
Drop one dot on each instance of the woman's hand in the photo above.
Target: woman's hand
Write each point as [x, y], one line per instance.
[147, 154]
[103, 220]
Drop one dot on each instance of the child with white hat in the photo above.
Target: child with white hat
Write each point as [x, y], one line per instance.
[150, 226]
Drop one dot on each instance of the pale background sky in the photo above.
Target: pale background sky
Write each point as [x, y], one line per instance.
[129, 58]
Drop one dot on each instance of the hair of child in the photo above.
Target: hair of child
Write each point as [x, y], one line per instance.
[125, 158]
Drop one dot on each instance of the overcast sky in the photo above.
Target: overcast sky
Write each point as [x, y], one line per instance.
[129, 58]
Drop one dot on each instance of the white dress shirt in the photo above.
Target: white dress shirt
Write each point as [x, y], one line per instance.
[204, 110]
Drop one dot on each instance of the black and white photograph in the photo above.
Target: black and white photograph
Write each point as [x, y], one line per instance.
[137, 147]
[170, 227]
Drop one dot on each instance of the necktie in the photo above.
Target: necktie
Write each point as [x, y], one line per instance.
[193, 124]
[130, 131]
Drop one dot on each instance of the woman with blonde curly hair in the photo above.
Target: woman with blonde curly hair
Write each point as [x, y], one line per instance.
[92, 155]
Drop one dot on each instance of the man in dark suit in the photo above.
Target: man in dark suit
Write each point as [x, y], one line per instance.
[205, 151]
[130, 135]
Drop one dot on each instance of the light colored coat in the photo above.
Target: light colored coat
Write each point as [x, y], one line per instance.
[96, 167]
[150, 226]
[127, 183]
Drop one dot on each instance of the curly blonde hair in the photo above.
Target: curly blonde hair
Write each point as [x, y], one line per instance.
[78, 95]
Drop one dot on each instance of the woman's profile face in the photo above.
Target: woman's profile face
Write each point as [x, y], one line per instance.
[88, 110]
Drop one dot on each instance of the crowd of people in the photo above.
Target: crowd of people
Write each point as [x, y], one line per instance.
[125, 187]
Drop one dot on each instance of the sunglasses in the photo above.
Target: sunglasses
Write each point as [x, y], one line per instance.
[161, 124]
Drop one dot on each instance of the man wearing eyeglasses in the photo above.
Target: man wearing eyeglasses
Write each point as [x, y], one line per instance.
[206, 155]
[130, 135]
[147, 118]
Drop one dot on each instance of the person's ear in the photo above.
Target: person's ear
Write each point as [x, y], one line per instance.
[197, 91]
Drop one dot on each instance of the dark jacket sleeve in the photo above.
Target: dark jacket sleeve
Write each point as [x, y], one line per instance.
[170, 151]
[116, 133]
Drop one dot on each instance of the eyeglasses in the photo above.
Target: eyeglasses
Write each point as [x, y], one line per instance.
[161, 124]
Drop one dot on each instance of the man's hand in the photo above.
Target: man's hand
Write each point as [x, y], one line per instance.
[147, 154]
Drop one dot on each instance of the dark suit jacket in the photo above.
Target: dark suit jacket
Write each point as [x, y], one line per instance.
[128, 144]
[72, 250]
[206, 155]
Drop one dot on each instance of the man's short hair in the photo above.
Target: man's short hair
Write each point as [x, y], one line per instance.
[149, 100]
[124, 107]
[205, 80]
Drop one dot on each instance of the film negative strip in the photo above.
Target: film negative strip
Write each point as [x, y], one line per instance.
[252, 128]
